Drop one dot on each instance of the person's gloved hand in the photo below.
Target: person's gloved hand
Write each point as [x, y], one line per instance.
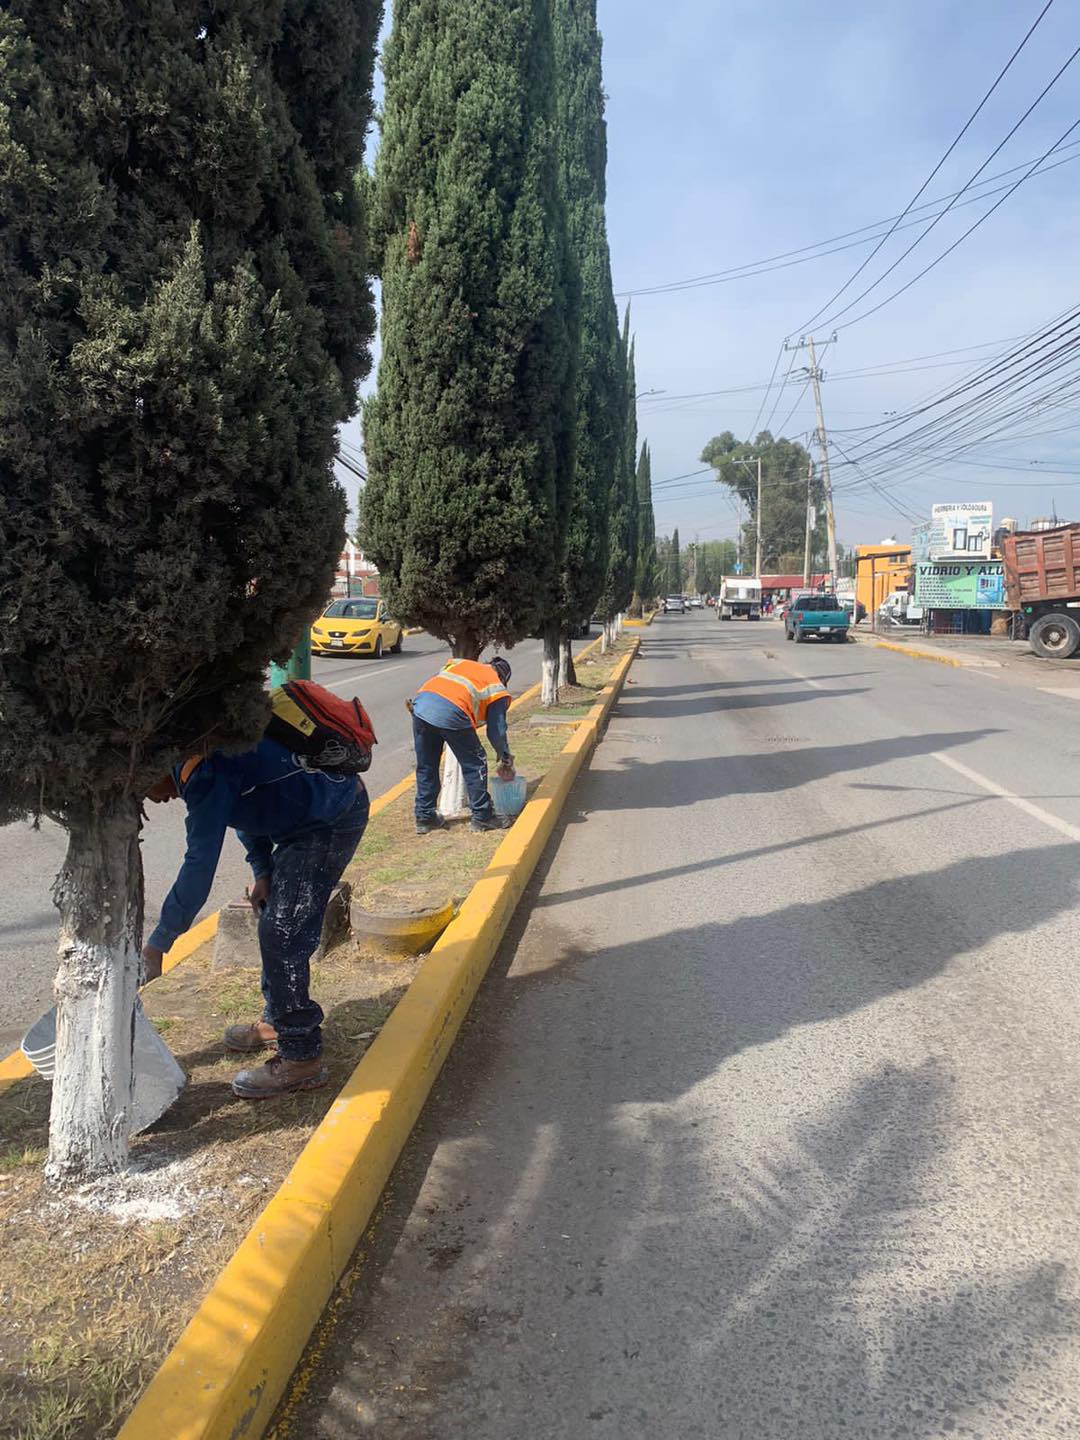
[259, 894]
[506, 769]
[151, 958]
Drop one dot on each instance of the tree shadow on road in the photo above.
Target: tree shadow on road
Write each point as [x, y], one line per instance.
[633, 784]
[588, 1239]
[636, 709]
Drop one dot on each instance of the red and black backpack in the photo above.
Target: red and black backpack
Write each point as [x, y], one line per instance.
[322, 730]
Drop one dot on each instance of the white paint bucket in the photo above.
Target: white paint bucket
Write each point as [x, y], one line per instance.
[158, 1078]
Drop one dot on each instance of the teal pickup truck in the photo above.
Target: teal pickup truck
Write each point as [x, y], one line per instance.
[819, 615]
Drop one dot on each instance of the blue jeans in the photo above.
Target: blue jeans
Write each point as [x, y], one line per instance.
[465, 744]
[307, 866]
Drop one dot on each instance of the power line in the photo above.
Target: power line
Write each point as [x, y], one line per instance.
[959, 241]
[922, 188]
[784, 261]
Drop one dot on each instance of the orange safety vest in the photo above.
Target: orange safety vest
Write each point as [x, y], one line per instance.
[470, 686]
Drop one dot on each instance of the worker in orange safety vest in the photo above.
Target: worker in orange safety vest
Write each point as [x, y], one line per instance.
[449, 710]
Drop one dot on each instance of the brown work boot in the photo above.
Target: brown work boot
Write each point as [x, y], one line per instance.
[247, 1039]
[280, 1077]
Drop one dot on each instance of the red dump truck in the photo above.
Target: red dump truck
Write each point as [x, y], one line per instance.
[1042, 582]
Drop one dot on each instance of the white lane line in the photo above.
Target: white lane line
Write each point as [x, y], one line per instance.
[1069, 692]
[1071, 832]
[365, 678]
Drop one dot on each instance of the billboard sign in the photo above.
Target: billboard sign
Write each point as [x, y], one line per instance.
[920, 541]
[960, 585]
[964, 530]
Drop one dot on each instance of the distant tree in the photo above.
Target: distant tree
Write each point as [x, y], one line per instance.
[646, 578]
[706, 581]
[470, 434]
[673, 579]
[785, 464]
[184, 316]
[582, 140]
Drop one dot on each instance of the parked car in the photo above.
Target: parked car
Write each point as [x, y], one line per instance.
[674, 605]
[819, 615]
[360, 626]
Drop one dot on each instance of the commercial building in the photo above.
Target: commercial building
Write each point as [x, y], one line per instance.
[879, 570]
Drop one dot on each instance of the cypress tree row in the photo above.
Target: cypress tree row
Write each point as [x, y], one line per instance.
[583, 177]
[622, 514]
[470, 435]
[184, 315]
[645, 578]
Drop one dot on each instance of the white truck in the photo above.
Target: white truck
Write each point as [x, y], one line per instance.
[739, 595]
[900, 608]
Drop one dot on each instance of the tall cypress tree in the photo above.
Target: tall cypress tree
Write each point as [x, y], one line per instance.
[645, 579]
[622, 521]
[470, 435]
[674, 582]
[583, 176]
[184, 315]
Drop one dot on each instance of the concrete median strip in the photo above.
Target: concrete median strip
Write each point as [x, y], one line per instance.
[224, 1376]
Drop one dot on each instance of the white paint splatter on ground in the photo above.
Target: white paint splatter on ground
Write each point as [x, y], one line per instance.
[150, 1190]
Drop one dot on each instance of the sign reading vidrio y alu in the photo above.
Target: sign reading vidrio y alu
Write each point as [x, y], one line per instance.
[960, 585]
[964, 530]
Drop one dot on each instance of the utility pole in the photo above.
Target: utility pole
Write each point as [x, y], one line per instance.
[807, 569]
[757, 565]
[816, 377]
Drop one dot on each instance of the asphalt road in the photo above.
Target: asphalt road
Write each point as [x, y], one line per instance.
[765, 1125]
[29, 859]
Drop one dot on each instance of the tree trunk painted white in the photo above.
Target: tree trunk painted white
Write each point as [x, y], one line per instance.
[453, 800]
[605, 638]
[549, 666]
[567, 669]
[99, 893]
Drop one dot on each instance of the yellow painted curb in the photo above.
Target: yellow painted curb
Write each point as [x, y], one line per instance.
[14, 1067]
[924, 655]
[224, 1376]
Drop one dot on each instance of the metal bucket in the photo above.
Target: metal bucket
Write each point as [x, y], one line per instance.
[158, 1078]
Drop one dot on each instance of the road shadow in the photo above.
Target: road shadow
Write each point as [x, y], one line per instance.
[632, 708]
[601, 1227]
[682, 782]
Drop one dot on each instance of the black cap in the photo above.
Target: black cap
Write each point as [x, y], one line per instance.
[502, 669]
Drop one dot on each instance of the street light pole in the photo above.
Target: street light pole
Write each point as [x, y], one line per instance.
[750, 460]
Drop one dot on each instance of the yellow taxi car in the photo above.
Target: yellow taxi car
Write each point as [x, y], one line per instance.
[360, 626]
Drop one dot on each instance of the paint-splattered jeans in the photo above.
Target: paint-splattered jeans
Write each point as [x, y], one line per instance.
[306, 869]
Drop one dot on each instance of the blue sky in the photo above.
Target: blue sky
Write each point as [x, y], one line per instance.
[741, 130]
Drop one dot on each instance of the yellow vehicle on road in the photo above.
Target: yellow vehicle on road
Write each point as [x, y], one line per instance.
[359, 626]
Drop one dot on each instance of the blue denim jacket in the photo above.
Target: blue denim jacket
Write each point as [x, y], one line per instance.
[443, 714]
[264, 795]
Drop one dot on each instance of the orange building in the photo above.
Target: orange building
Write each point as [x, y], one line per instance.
[879, 570]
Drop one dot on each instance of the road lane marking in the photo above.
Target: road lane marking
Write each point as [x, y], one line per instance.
[1071, 832]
